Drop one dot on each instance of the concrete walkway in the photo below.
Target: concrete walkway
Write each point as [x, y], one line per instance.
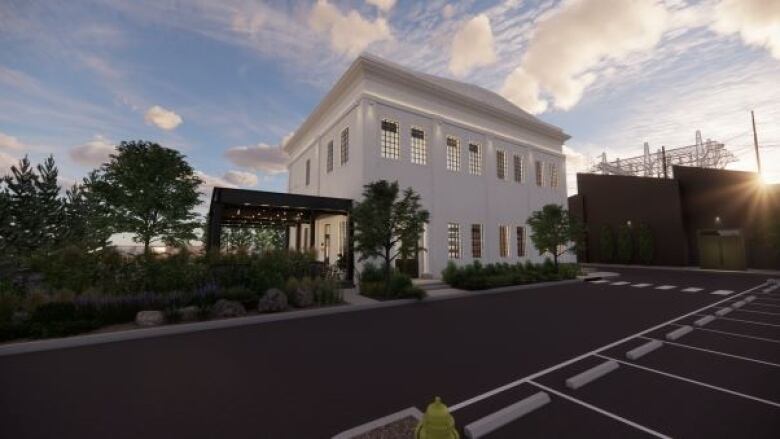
[352, 297]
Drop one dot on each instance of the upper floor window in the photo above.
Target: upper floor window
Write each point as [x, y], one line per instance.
[418, 150]
[476, 240]
[520, 241]
[453, 241]
[518, 162]
[501, 164]
[553, 171]
[391, 148]
[475, 159]
[503, 241]
[308, 171]
[453, 154]
[329, 164]
[345, 145]
[539, 174]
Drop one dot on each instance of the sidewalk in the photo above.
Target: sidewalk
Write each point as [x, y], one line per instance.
[352, 297]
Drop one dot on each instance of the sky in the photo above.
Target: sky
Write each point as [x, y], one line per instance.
[226, 82]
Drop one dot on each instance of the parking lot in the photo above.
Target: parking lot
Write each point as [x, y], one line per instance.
[710, 378]
[318, 376]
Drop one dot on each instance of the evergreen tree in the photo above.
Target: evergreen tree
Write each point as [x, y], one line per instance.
[607, 244]
[49, 204]
[87, 216]
[625, 245]
[645, 244]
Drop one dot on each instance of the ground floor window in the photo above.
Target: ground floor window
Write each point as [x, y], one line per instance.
[476, 240]
[520, 241]
[503, 241]
[453, 241]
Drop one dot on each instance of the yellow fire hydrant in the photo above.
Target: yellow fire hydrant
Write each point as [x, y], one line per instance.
[437, 423]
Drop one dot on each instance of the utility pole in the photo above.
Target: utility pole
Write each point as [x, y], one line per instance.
[663, 161]
[755, 141]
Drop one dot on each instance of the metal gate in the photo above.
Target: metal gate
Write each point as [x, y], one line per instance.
[722, 249]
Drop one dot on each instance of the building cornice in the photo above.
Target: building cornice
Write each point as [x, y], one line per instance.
[368, 65]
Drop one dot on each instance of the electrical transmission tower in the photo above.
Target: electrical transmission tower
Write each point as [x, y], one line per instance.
[704, 154]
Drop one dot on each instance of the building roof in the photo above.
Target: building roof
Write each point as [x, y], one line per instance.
[480, 98]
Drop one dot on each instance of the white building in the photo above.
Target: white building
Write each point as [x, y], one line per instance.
[480, 164]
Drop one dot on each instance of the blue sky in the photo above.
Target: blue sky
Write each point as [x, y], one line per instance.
[225, 82]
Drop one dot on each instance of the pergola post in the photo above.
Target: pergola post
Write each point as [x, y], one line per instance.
[350, 249]
[214, 227]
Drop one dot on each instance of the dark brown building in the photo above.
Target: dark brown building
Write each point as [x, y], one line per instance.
[702, 217]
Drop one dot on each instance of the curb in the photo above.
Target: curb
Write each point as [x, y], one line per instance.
[414, 412]
[682, 268]
[186, 328]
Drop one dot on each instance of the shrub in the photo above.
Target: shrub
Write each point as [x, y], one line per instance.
[625, 245]
[645, 244]
[241, 294]
[478, 277]
[607, 244]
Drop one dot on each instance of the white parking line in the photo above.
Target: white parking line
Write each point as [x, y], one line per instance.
[722, 292]
[771, 305]
[600, 281]
[692, 290]
[735, 334]
[599, 410]
[758, 312]
[738, 357]
[768, 299]
[640, 285]
[620, 282]
[749, 321]
[563, 364]
[666, 287]
[700, 383]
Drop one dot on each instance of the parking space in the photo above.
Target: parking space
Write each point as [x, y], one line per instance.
[720, 378]
[480, 353]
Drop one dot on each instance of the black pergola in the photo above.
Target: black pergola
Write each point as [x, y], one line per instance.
[248, 208]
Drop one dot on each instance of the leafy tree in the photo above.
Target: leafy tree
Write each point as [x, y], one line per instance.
[88, 217]
[386, 227]
[151, 191]
[607, 244]
[625, 244]
[554, 231]
[645, 244]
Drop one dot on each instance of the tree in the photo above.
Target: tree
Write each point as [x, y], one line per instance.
[88, 217]
[607, 244]
[625, 244]
[645, 244]
[32, 217]
[151, 191]
[554, 231]
[386, 227]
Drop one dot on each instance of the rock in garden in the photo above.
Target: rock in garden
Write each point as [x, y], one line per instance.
[189, 313]
[149, 318]
[273, 300]
[228, 308]
[303, 297]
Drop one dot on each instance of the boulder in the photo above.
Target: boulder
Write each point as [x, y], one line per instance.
[273, 300]
[149, 318]
[303, 297]
[228, 308]
[189, 313]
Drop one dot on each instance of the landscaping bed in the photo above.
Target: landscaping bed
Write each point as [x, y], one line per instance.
[181, 288]
[480, 277]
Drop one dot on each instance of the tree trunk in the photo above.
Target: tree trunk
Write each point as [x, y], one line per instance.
[387, 270]
[555, 260]
[146, 246]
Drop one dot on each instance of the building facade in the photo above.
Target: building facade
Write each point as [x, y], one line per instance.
[480, 164]
[710, 218]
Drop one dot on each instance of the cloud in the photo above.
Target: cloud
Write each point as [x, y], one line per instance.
[756, 21]
[448, 11]
[571, 42]
[472, 46]
[209, 183]
[349, 34]
[92, 153]
[382, 5]
[11, 143]
[162, 118]
[6, 161]
[240, 178]
[261, 157]
[249, 23]
[575, 162]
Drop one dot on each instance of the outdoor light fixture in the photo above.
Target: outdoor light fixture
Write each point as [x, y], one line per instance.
[717, 220]
[628, 223]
